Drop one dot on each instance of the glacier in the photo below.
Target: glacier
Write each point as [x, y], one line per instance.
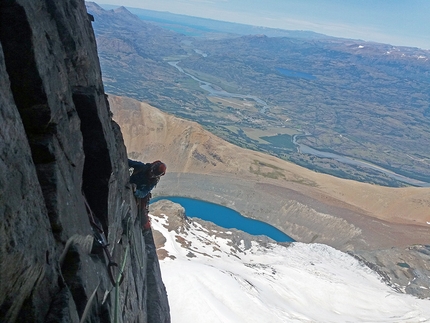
[210, 276]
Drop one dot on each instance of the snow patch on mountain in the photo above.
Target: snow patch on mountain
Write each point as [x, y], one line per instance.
[211, 276]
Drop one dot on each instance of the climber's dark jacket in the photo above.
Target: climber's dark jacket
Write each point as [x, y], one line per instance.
[143, 176]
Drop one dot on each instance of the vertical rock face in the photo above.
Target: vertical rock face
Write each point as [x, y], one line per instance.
[58, 147]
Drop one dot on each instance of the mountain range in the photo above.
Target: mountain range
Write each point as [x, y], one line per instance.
[383, 230]
[362, 100]
[72, 246]
[382, 226]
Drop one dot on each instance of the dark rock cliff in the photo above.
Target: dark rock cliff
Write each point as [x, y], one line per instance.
[58, 144]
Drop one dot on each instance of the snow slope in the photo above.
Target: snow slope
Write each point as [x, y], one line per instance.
[211, 279]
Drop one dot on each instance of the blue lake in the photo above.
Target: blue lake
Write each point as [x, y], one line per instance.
[296, 74]
[225, 217]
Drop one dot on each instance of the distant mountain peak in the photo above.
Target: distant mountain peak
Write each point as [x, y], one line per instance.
[123, 10]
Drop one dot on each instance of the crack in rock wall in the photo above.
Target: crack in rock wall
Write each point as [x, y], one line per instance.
[58, 147]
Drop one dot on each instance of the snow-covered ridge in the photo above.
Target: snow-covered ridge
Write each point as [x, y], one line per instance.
[212, 277]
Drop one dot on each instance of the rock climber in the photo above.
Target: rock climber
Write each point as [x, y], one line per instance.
[145, 177]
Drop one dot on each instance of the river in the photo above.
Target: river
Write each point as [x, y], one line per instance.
[355, 162]
[213, 91]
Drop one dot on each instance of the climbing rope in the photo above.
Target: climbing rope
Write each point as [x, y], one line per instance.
[120, 276]
[99, 236]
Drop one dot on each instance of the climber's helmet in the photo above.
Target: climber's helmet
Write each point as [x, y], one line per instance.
[158, 169]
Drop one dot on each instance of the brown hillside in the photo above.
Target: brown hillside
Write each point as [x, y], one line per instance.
[186, 147]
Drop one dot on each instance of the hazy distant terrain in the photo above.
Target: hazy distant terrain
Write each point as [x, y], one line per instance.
[364, 100]
[195, 26]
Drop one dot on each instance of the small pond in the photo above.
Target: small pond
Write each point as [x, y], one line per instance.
[225, 217]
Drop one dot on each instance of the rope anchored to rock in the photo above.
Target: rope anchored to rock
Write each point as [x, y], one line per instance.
[99, 236]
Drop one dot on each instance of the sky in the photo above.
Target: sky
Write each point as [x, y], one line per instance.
[274, 284]
[395, 22]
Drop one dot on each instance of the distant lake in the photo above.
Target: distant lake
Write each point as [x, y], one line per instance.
[280, 140]
[296, 74]
[225, 217]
